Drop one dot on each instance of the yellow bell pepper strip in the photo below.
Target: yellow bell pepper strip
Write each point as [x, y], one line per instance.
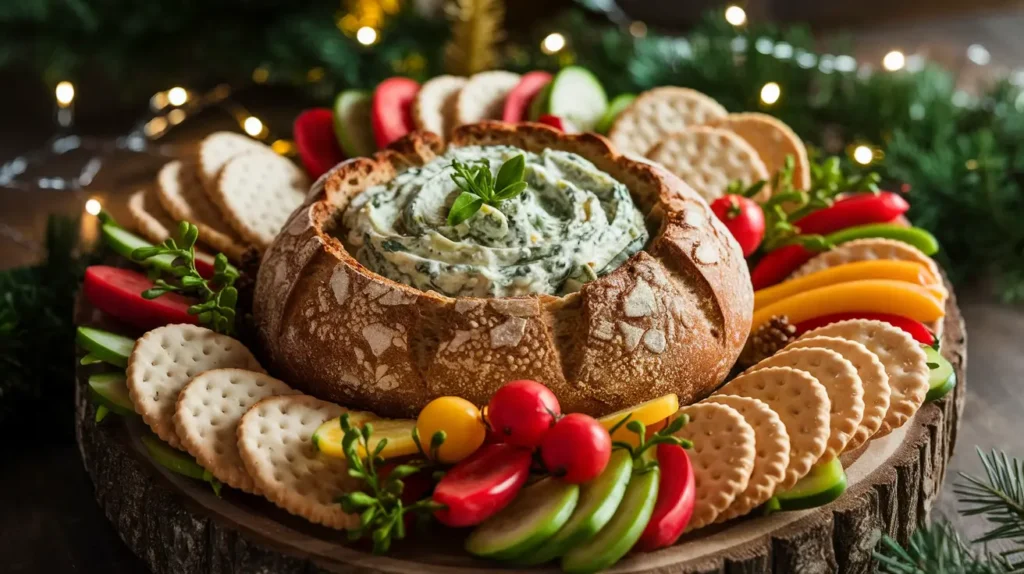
[327, 438]
[896, 270]
[872, 295]
[650, 413]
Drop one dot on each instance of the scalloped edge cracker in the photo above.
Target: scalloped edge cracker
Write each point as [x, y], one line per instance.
[722, 458]
[841, 382]
[165, 359]
[659, 112]
[772, 453]
[483, 96]
[276, 446]
[206, 419]
[872, 376]
[803, 406]
[433, 109]
[709, 159]
[904, 361]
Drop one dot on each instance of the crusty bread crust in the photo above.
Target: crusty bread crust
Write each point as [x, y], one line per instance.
[673, 318]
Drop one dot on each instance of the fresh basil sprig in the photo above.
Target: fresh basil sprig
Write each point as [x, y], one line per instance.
[217, 295]
[380, 507]
[480, 187]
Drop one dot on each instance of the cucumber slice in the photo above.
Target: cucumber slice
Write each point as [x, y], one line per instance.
[942, 378]
[598, 500]
[108, 347]
[177, 461]
[124, 242]
[624, 529]
[539, 105]
[352, 124]
[825, 483]
[109, 390]
[615, 108]
[537, 513]
[577, 96]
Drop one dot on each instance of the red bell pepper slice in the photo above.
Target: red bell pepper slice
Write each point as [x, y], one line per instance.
[860, 209]
[118, 292]
[916, 329]
[481, 485]
[677, 493]
[778, 264]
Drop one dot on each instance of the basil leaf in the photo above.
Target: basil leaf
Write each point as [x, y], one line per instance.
[511, 172]
[511, 191]
[464, 207]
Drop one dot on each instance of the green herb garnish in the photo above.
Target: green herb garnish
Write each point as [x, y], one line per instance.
[664, 436]
[217, 295]
[480, 187]
[380, 507]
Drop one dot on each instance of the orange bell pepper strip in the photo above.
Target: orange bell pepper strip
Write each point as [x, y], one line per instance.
[896, 270]
[871, 295]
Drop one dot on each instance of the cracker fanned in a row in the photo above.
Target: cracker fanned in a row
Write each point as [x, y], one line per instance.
[831, 391]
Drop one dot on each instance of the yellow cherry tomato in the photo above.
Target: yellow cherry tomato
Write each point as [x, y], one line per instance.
[461, 422]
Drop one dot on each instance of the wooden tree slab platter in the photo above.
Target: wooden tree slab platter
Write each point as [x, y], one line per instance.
[177, 525]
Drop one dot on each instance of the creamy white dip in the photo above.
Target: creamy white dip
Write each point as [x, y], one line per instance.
[572, 224]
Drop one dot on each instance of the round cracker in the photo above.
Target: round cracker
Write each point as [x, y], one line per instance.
[772, 457]
[206, 419]
[722, 458]
[217, 148]
[276, 446]
[659, 112]
[483, 96]
[149, 218]
[866, 250]
[709, 159]
[773, 141]
[257, 192]
[181, 193]
[801, 403]
[872, 377]
[901, 356]
[844, 388]
[433, 109]
[165, 359]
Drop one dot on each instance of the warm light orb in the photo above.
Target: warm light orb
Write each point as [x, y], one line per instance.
[770, 93]
[65, 93]
[894, 60]
[735, 15]
[177, 96]
[863, 155]
[252, 126]
[366, 35]
[553, 43]
[93, 207]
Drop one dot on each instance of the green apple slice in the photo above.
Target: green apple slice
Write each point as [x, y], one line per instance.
[106, 346]
[942, 378]
[599, 499]
[177, 461]
[825, 483]
[615, 108]
[537, 513]
[110, 390]
[352, 124]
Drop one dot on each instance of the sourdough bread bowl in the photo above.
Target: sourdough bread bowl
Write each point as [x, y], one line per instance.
[673, 317]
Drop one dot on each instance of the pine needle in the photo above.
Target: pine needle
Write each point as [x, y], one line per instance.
[999, 498]
[935, 549]
[476, 32]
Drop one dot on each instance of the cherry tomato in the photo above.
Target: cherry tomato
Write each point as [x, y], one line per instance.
[522, 412]
[480, 486]
[460, 420]
[577, 448]
[743, 218]
[676, 497]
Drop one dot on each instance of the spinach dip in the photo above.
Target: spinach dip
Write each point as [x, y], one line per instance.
[572, 224]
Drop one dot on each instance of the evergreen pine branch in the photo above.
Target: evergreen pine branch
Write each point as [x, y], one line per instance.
[999, 498]
[935, 549]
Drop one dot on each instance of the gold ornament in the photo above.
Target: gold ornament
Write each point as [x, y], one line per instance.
[476, 32]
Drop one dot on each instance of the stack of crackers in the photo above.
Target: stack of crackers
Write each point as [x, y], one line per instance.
[831, 391]
[236, 190]
[205, 393]
[695, 138]
[445, 102]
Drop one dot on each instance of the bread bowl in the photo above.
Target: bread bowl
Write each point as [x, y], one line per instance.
[672, 318]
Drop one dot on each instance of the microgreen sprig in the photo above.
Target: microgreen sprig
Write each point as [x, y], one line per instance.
[217, 295]
[480, 187]
[663, 436]
[380, 507]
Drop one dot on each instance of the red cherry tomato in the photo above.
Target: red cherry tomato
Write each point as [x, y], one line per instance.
[559, 123]
[522, 412]
[118, 292]
[391, 113]
[743, 218]
[481, 485]
[676, 497]
[577, 448]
